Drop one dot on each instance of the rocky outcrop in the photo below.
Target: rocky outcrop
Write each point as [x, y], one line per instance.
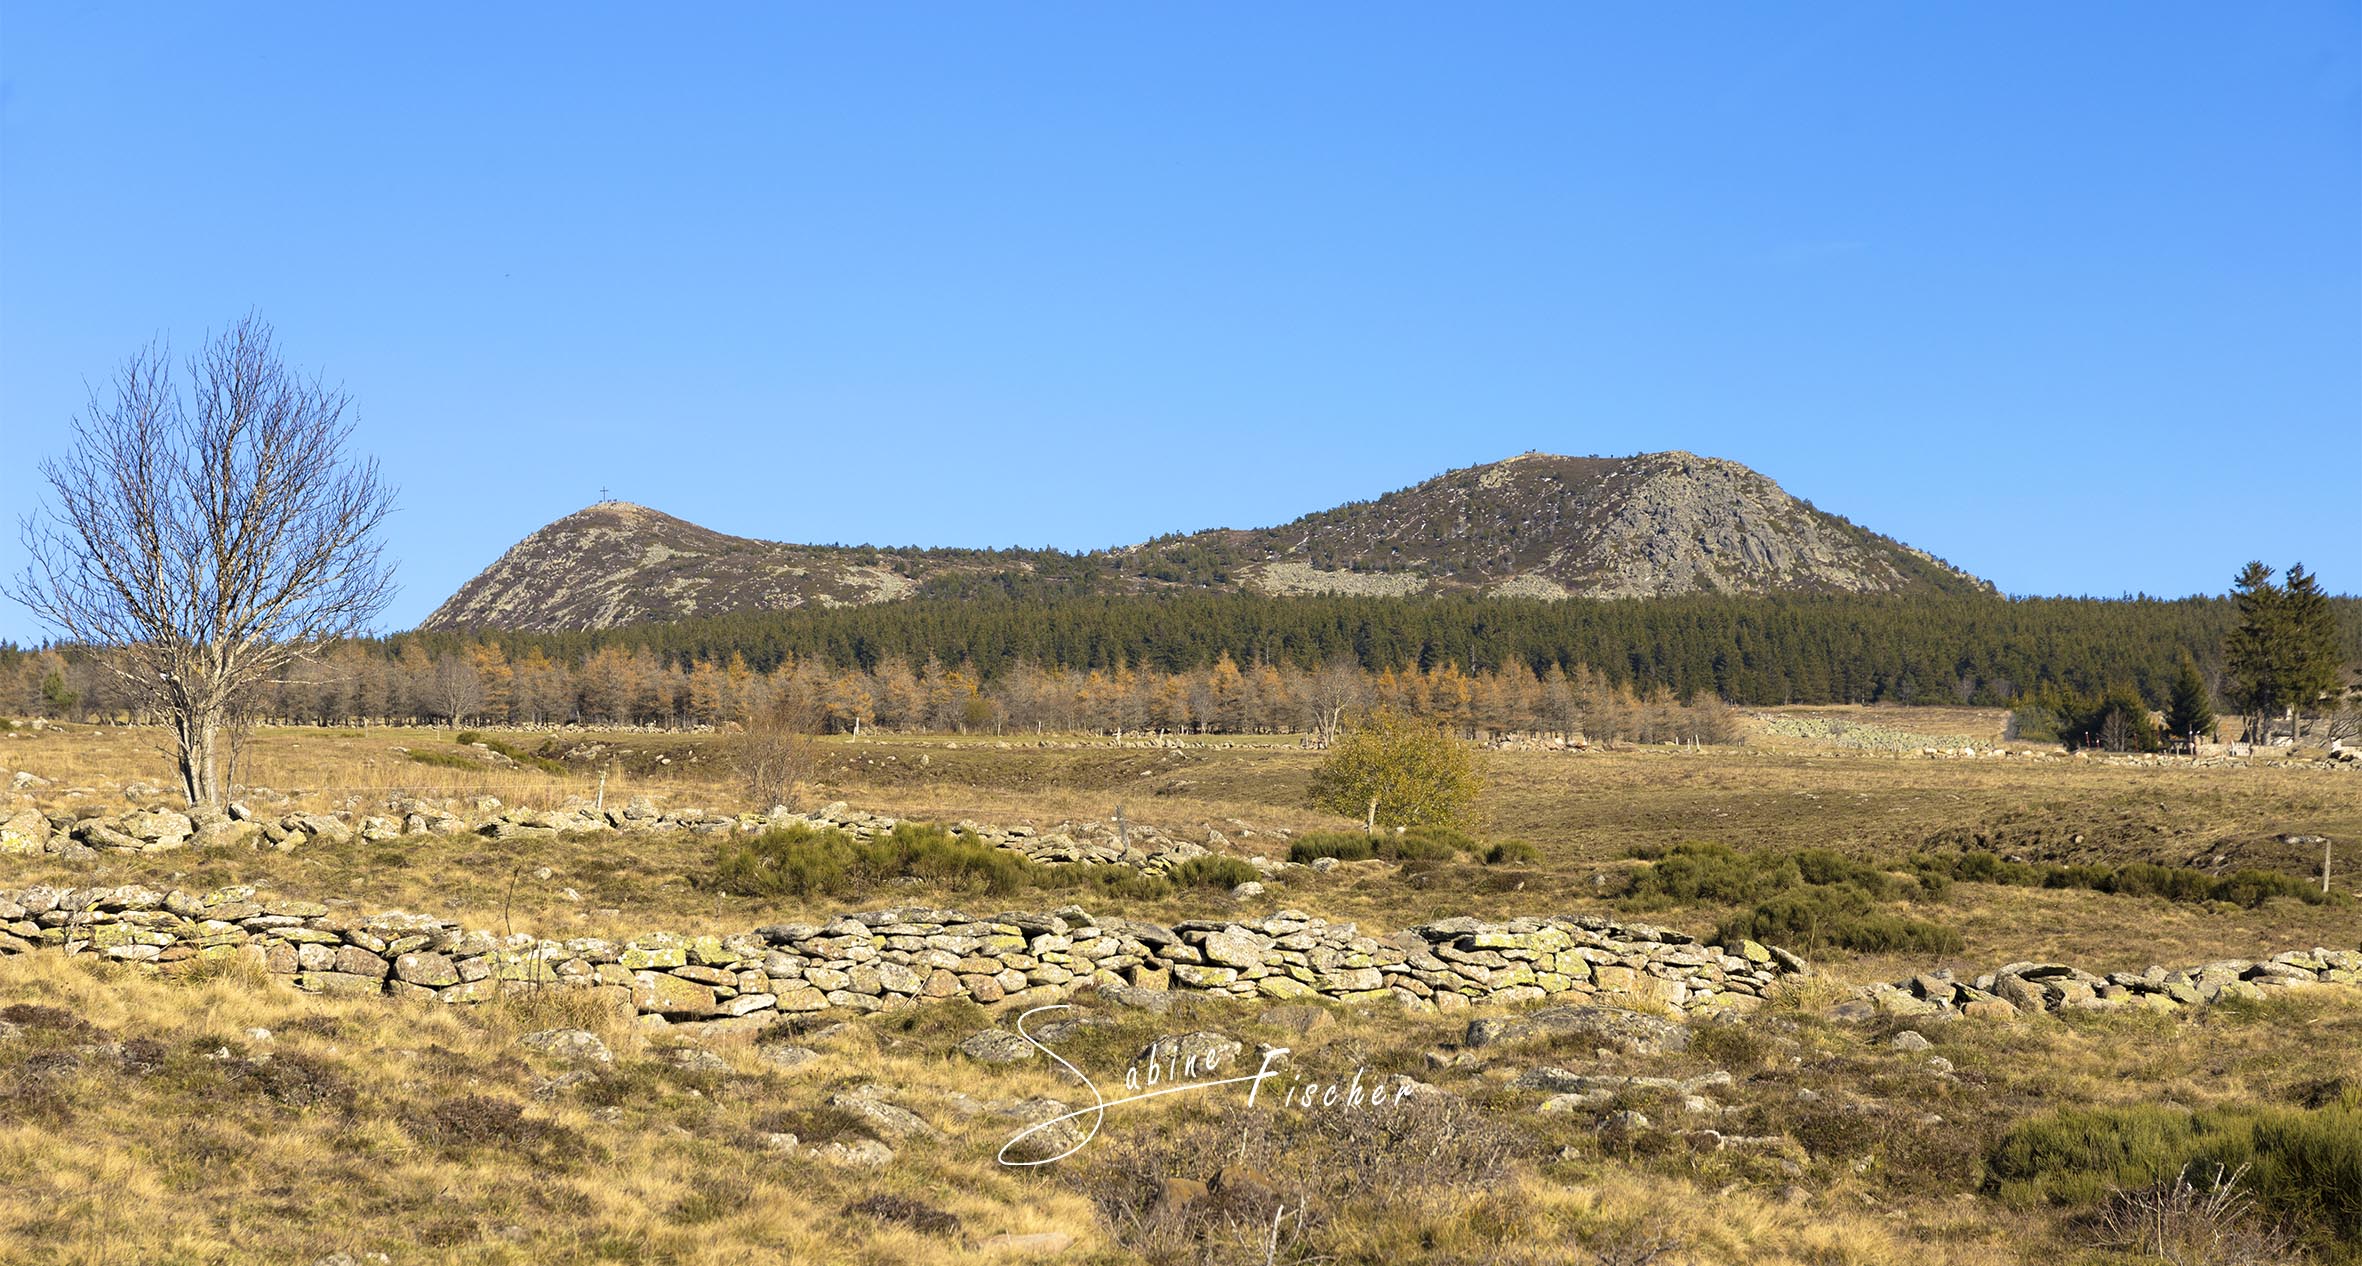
[618, 563]
[884, 959]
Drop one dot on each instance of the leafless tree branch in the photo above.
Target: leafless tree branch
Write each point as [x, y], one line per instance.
[210, 539]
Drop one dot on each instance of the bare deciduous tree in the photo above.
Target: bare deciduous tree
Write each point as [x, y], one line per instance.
[1338, 687]
[209, 539]
[458, 689]
[776, 753]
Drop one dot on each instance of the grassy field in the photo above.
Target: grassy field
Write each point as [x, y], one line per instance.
[152, 1119]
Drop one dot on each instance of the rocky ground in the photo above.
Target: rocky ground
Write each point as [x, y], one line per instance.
[256, 1122]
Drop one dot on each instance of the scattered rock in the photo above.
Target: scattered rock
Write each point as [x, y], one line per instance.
[1629, 1032]
[890, 1120]
[1192, 1054]
[858, 1153]
[579, 1046]
[787, 1059]
[694, 1059]
[996, 1046]
[552, 1087]
[1056, 1137]
[1156, 1000]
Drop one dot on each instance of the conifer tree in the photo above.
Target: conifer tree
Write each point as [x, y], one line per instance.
[2190, 712]
[2254, 651]
[2314, 662]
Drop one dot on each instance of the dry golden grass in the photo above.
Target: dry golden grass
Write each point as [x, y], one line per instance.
[167, 1131]
[355, 1127]
[1596, 804]
[1586, 811]
[367, 1135]
[332, 767]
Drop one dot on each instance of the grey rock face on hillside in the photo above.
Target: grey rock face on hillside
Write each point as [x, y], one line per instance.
[1538, 525]
[1547, 526]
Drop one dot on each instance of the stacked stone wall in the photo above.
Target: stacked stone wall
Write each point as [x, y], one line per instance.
[899, 957]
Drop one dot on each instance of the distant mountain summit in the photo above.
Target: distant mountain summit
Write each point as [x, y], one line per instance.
[1538, 525]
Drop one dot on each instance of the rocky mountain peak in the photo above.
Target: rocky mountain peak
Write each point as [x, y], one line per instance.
[1534, 525]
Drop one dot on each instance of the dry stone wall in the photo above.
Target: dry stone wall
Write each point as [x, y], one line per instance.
[892, 958]
[2036, 988]
[885, 959]
[25, 829]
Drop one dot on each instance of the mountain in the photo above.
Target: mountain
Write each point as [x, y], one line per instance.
[1536, 525]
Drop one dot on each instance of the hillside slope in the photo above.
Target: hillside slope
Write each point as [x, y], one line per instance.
[1546, 526]
[1537, 525]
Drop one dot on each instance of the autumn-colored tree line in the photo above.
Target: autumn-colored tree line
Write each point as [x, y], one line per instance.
[1638, 668]
[1804, 649]
[480, 684]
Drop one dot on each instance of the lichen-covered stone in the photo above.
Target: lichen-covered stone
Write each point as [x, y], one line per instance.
[663, 993]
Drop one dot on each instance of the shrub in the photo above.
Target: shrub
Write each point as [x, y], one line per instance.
[931, 853]
[2250, 888]
[2303, 1164]
[1427, 844]
[1214, 872]
[1692, 872]
[1985, 868]
[1511, 852]
[803, 861]
[792, 861]
[917, 1215]
[1345, 846]
[445, 760]
[2181, 1221]
[1421, 844]
[33, 1015]
[469, 1122]
[291, 1080]
[1842, 916]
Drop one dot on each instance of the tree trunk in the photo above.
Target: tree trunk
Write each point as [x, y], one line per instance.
[184, 743]
[199, 758]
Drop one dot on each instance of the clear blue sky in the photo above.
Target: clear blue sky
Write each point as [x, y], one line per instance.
[2068, 294]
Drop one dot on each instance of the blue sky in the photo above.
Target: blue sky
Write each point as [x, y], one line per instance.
[2068, 294]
